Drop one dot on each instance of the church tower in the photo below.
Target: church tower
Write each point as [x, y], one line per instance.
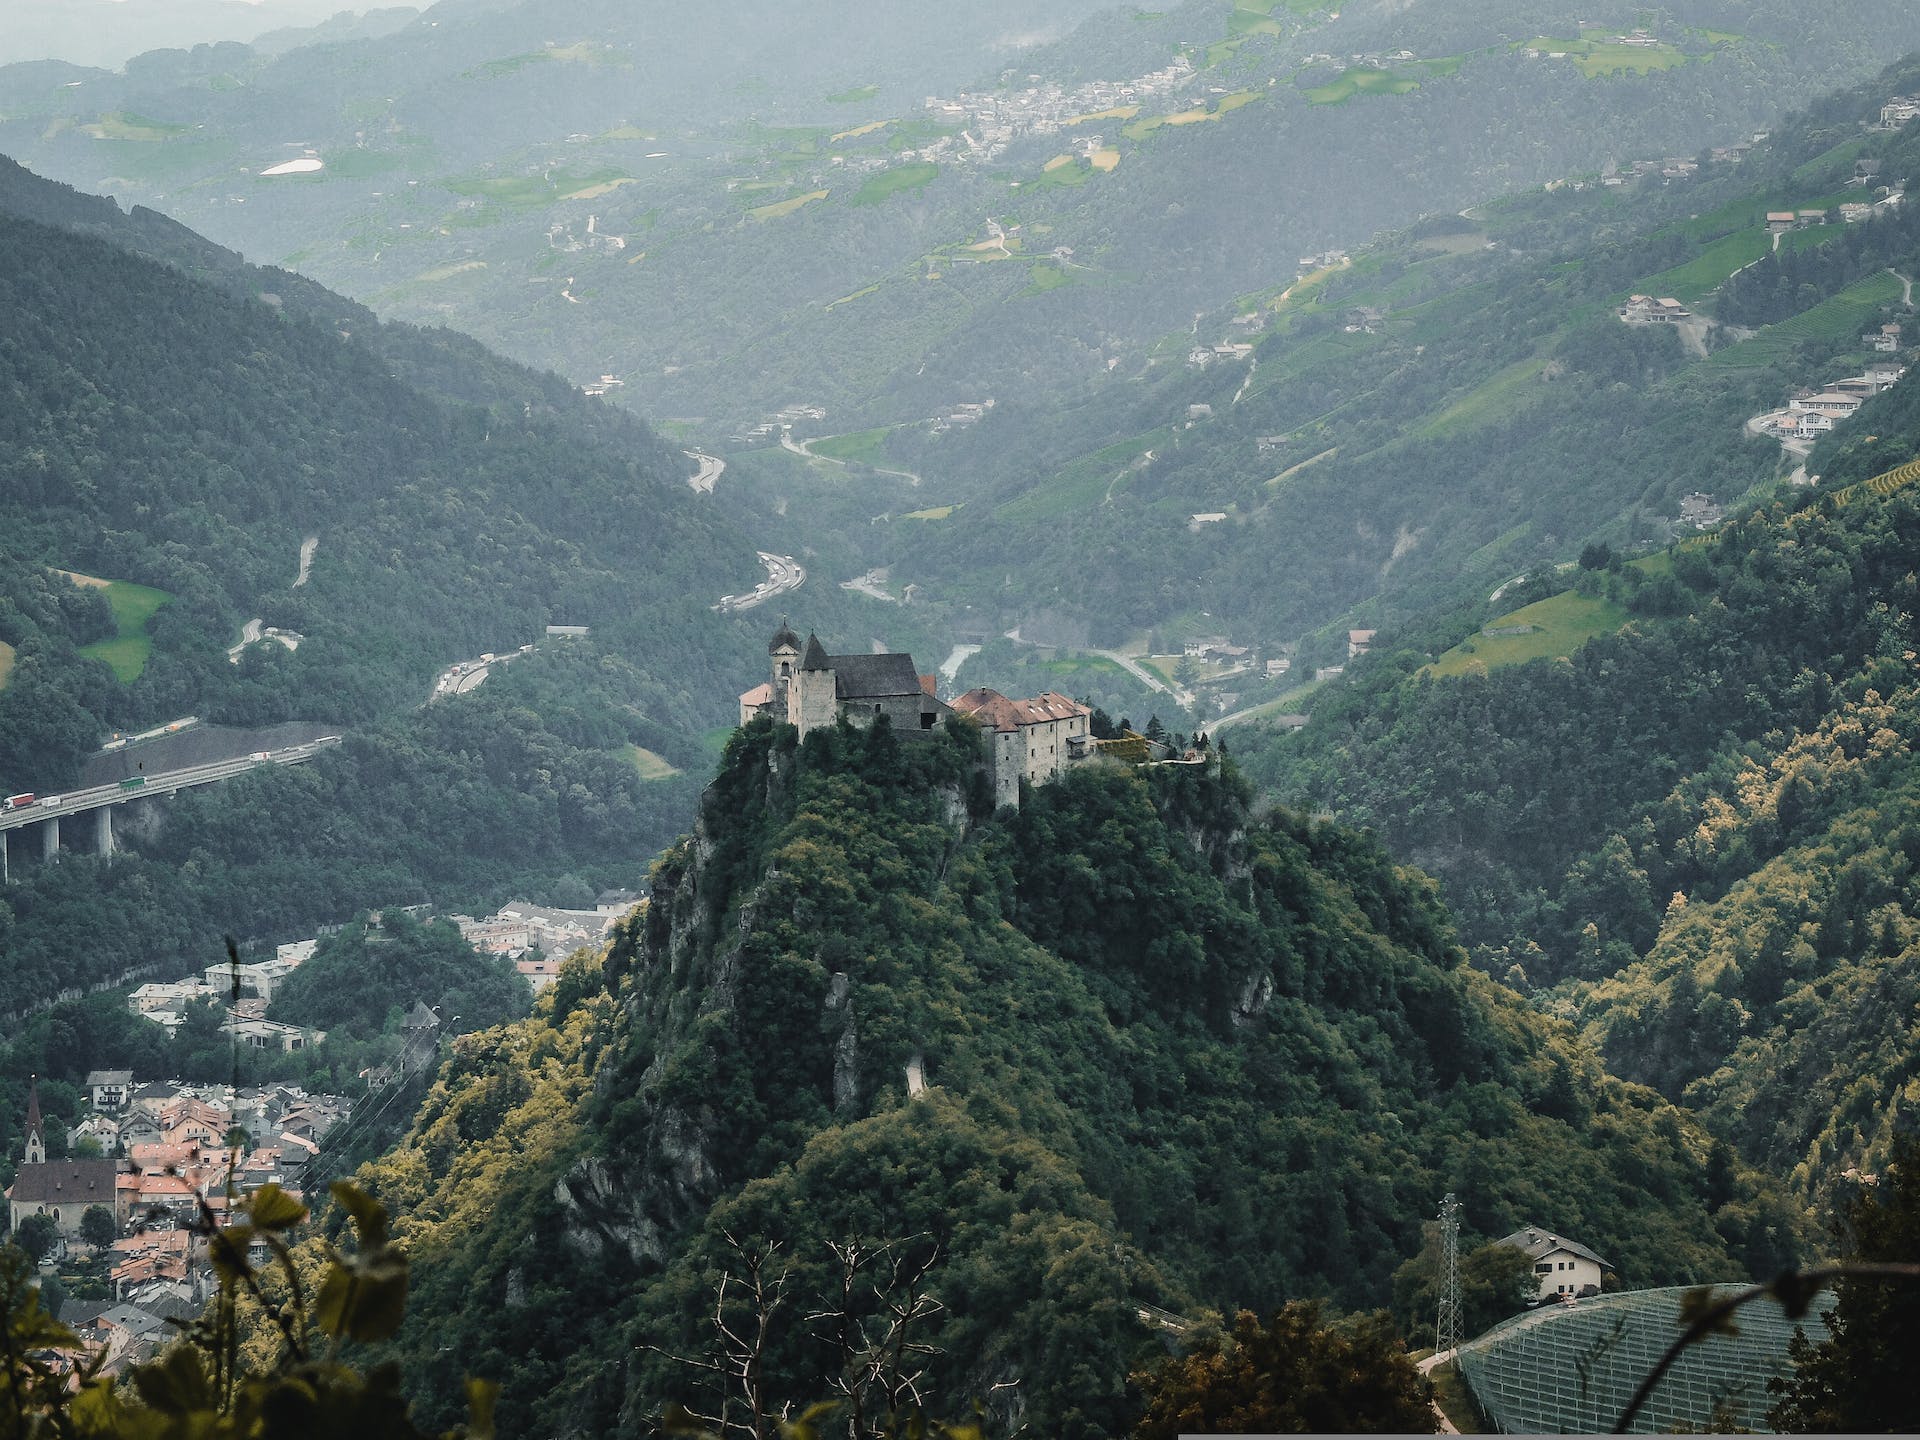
[36, 1153]
[783, 659]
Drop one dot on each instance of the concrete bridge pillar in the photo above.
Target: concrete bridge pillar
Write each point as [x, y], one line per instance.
[50, 838]
[6, 876]
[103, 831]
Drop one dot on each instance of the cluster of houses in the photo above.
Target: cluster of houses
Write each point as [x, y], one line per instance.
[243, 993]
[962, 416]
[560, 237]
[164, 1156]
[1898, 112]
[538, 938]
[1812, 413]
[1201, 356]
[992, 120]
[786, 419]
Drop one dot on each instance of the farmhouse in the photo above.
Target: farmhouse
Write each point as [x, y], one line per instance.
[1646, 310]
[1564, 1267]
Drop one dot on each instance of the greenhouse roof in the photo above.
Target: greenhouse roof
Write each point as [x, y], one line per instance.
[1572, 1369]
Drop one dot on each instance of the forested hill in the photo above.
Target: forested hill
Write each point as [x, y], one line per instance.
[178, 430]
[1698, 829]
[162, 431]
[1175, 1059]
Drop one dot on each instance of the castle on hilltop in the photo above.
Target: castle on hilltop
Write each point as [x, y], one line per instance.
[1032, 740]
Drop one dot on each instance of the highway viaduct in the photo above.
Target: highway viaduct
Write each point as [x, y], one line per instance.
[48, 811]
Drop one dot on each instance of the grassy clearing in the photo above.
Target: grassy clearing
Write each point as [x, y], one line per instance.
[133, 606]
[123, 125]
[1500, 396]
[783, 208]
[1118, 112]
[884, 184]
[1596, 54]
[859, 95]
[1700, 277]
[854, 134]
[1105, 161]
[1847, 314]
[604, 187]
[1307, 464]
[1200, 115]
[6, 663]
[447, 272]
[649, 765]
[1047, 277]
[1560, 625]
[1283, 704]
[1080, 484]
[868, 447]
[856, 295]
[1366, 80]
[532, 191]
[934, 512]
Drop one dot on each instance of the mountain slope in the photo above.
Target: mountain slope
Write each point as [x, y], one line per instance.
[1175, 1061]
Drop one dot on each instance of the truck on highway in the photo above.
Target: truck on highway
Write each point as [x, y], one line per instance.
[20, 801]
[133, 784]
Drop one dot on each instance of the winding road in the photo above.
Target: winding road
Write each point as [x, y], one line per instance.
[783, 573]
[803, 447]
[712, 467]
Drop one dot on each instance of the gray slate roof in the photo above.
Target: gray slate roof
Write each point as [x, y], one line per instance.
[65, 1182]
[857, 677]
[1540, 1243]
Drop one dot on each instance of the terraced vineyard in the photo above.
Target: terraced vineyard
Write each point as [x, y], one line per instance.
[1848, 313]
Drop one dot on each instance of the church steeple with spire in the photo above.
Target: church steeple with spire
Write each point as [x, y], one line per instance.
[36, 1153]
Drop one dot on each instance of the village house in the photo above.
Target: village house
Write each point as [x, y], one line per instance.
[1884, 341]
[1564, 1267]
[109, 1088]
[1359, 642]
[1836, 403]
[1779, 221]
[1646, 310]
[1700, 510]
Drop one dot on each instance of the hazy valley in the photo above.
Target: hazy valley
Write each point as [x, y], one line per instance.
[1356, 579]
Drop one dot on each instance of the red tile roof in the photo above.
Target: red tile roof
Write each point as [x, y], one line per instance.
[995, 711]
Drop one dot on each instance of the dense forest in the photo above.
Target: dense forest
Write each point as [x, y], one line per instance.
[1694, 830]
[1173, 1057]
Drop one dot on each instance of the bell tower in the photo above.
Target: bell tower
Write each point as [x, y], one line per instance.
[36, 1153]
[783, 659]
